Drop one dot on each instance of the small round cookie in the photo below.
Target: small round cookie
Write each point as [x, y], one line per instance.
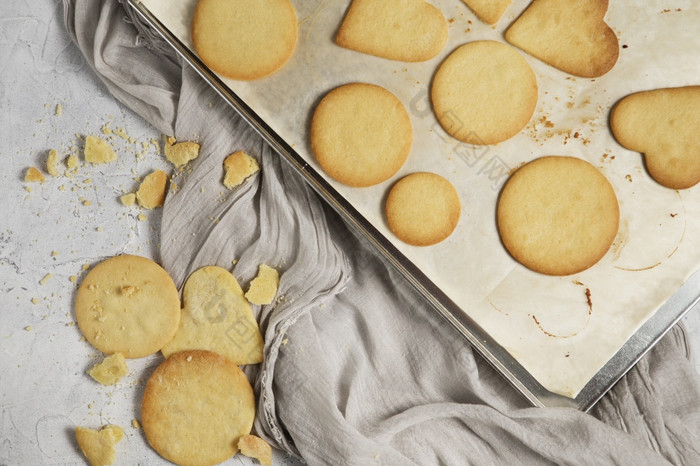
[196, 406]
[244, 39]
[361, 134]
[129, 305]
[484, 93]
[557, 215]
[422, 209]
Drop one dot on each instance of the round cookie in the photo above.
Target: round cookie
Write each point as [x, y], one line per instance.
[129, 305]
[196, 406]
[422, 209]
[557, 215]
[484, 93]
[361, 134]
[244, 39]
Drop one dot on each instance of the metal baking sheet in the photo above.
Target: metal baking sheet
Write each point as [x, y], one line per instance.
[355, 213]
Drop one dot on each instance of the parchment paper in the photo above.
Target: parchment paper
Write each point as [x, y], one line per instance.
[561, 329]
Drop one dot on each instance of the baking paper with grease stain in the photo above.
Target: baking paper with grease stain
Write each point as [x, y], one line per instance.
[561, 329]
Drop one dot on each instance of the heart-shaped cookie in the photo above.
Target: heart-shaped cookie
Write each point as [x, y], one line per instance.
[570, 35]
[404, 30]
[663, 124]
[489, 11]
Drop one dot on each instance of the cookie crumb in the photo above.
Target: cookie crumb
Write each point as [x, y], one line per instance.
[52, 163]
[98, 151]
[72, 165]
[33, 176]
[46, 279]
[121, 132]
[128, 199]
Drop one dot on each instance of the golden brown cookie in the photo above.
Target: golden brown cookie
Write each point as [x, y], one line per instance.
[361, 134]
[484, 92]
[244, 39]
[216, 317]
[405, 30]
[664, 124]
[129, 305]
[557, 215]
[489, 11]
[196, 406]
[570, 35]
[422, 209]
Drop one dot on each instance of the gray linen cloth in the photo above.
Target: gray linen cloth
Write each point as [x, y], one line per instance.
[358, 369]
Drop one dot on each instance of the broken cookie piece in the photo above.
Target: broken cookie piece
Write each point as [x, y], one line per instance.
[98, 151]
[254, 447]
[110, 370]
[179, 153]
[151, 192]
[33, 176]
[72, 165]
[128, 199]
[52, 163]
[238, 166]
[98, 445]
[263, 288]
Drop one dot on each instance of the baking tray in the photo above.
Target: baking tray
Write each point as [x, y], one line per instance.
[634, 348]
